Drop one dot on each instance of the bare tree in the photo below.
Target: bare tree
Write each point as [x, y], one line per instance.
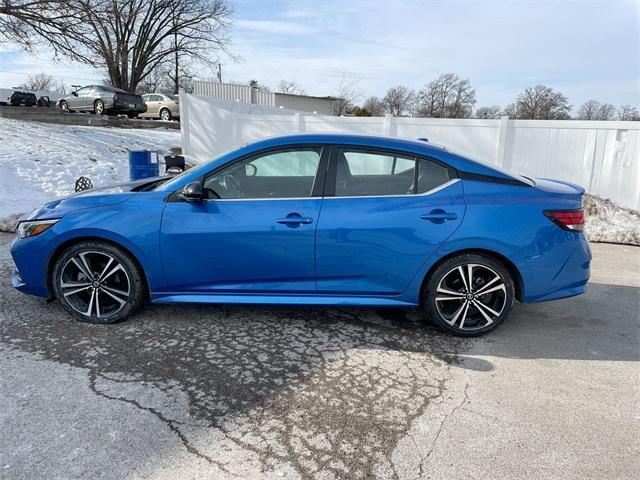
[542, 103]
[492, 112]
[347, 93]
[41, 82]
[290, 87]
[627, 112]
[594, 110]
[253, 83]
[374, 106]
[588, 110]
[511, 110]
[606, 112]
[128, 38]
[448, 96]
[398, 100]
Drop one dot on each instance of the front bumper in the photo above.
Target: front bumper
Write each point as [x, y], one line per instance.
[31, 262]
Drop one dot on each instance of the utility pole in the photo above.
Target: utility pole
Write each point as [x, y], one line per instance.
[176, 85]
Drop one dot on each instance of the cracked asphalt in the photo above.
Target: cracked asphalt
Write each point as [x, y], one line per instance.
[193, 392]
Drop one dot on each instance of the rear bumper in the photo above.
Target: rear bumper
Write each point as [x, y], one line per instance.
[566, 276]
[126, 107]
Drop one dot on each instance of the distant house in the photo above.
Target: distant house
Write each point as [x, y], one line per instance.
[243, 93]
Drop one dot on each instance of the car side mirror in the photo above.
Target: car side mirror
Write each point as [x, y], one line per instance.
[75, 94]
[192, 192]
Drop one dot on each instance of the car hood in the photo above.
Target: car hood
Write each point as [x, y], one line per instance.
[95, 197]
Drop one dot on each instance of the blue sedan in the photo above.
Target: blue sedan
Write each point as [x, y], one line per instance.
[324, 219]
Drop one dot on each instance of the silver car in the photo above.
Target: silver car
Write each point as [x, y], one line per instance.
[103, 99]
[164, 107]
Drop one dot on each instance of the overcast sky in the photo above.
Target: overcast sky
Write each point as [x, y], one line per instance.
[585, 49]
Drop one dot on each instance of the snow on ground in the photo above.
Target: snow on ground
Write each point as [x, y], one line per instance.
[606, 222]
[40, 161]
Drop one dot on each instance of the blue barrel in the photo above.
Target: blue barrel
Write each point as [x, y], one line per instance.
[141, 166]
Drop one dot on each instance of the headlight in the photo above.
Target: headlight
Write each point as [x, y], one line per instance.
[29, 228]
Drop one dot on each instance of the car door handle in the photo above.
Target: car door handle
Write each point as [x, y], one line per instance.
[294, 219]
[439, 216]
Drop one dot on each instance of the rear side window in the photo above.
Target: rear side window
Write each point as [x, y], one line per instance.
[365, 173]
[360, 174]
[431, 175]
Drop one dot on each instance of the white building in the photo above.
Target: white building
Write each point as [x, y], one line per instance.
[243, 93]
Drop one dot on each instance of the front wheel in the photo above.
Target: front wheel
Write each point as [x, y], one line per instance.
[97, 282]
[469, 294]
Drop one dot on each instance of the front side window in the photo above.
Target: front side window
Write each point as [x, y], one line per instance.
[278, 174]
[365, 173]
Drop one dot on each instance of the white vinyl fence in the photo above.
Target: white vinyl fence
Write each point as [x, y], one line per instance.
[603, 157]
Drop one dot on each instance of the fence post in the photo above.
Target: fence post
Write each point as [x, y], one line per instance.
[502, 151]
[184, 124]
[390, 126]
[298, 121]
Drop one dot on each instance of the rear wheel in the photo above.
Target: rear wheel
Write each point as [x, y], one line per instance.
[469, 294]
[165, 114]
[97, 282]
[132, 115]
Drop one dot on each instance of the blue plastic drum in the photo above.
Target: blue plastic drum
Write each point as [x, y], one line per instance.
[141, 166]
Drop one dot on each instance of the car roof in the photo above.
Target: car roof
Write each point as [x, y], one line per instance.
[416, 146]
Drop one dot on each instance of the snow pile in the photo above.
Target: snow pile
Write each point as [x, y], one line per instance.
[40, 161]
[606, 222]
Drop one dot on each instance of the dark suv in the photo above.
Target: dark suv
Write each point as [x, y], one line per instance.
[23, 98]
[102, 99]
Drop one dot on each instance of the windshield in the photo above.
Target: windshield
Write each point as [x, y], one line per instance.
[173, 97]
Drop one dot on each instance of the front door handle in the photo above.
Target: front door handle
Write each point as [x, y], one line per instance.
[439, 216]
[295, 219]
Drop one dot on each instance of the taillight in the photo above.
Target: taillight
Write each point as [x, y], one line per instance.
[568, 219]
[115, 96]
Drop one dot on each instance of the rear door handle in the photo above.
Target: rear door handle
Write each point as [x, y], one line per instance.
[295, 219]
[439, 216]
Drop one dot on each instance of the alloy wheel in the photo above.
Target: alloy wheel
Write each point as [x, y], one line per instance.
[95, 284]
[99, 107]
[165, 115]
[471, 297]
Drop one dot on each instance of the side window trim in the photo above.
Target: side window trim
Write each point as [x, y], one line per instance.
[318, 181]
[331, 177]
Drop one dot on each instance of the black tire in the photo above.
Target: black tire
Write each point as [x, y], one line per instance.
[98, 107]
[168, 114]
[132, 115]
[70, 280]
[469, 312]
[64, 106]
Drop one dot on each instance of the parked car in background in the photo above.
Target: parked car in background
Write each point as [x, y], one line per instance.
[103, 99]
[23, 98]
[164, 107]
[314, 219]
